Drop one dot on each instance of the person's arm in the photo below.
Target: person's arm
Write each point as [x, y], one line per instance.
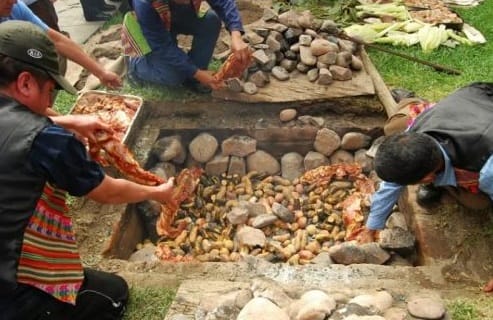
[68, 48]
[229, 14]
[381, 207]
[82, 125]
[237, 43]
[486, 178]
[116, 191]
[56, 154]
[489, 286]
[239, 46]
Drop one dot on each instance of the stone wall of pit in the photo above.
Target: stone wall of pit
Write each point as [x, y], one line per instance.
[239, 154]
[254, 230]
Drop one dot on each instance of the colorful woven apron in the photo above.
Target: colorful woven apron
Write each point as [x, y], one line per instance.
[134, 42]
[49, 259]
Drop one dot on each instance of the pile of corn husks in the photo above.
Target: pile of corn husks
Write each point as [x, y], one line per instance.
[403, 30]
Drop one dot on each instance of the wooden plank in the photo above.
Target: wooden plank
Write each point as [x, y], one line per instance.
[382, 91]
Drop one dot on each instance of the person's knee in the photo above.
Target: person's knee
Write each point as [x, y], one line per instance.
[108, 284]
[153, 70]
[473, 201]
[212, 22]
[477, 203]
[396, 124]
[121, 286]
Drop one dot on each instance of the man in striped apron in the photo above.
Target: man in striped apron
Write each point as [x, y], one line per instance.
[41, 275]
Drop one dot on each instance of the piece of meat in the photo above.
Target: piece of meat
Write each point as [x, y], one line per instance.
[233, 67]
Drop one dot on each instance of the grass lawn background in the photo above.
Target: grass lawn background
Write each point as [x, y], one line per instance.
[475, 62]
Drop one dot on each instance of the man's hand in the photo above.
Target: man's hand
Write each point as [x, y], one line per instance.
[206, 78]
[239, 46]
[110, 79]
[366, 236]
[86, 125]
[489, 286]
[83, 126]
[165, 191]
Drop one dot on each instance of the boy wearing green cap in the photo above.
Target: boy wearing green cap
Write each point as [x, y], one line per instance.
[41, 275]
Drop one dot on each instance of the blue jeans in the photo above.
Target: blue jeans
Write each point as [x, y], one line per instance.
[153, 68]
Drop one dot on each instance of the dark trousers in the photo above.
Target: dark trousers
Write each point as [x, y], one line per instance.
[45, 10]
[103, 296]
[155, 68]
[91, 7]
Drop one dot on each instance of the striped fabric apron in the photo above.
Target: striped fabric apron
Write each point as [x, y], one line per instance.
[49, 258]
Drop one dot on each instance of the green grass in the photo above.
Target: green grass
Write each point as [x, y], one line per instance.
[64, 102]
[159, 93]
[149, 303]
[461, 310]
[475, 63]
[473, 308]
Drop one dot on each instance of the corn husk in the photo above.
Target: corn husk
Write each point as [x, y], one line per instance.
[397, 11]
[412, 26]
[430, 37]
[363, 32]
[399, 38]
[458, 38]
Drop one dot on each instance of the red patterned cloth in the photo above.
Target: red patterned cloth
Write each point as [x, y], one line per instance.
[468, 180]
[49, 259]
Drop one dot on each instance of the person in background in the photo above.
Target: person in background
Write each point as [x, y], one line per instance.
[95, 10]
[45, 10]
[41, 275]
[161, 21]
[13, 10]
[449, 145]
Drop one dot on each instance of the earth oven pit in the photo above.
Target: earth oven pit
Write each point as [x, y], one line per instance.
[223, 119]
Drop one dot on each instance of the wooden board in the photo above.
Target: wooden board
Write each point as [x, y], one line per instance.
[298, 88]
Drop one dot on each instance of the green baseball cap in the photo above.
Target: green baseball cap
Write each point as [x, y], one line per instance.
[26, 42]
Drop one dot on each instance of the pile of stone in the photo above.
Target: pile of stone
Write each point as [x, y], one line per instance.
[294, 42]
[267, 299]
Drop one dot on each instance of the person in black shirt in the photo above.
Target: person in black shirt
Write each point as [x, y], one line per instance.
[41, 275]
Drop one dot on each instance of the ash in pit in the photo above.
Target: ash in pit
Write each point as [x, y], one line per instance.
[299, 210]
